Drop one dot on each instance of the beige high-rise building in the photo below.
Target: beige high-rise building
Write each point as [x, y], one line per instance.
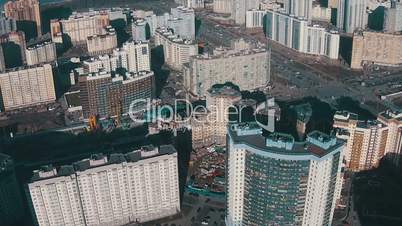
[24, 87]
[376, 48]
[41, 53]
[24, 10]
[102, 43]
[247, 67]
[366, 140]
[80, 25]
[220, 102]
[177, 51]
[393, 120]
[239, 9]
[122, 189]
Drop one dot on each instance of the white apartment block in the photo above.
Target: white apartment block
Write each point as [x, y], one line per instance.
[299, 8]
[7, 25]
[183, 22]
[393, 17]
[102, 43]
[177, 51]
[136, 187]
[133, 56]
[302, 36]
[352, 15]
[239, 9]
[138, 30]
[23, 87]
[222, 6]
[319, 13]
[80, 25]
[248, 68]
[195, 4]
[41, 53]
[313, 166]
[255, 18]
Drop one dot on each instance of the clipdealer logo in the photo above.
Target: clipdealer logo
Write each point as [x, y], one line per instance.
[146, 111]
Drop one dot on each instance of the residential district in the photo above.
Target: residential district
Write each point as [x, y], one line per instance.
[200, 112]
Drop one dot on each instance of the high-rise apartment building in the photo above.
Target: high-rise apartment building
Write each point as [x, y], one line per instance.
[80, 25]
[248, 68]
[300, 35]
[220, 102]
[393, 17]
[103, 43]
[239, 9]
[106, 96]
[366, 140]
[255, 18]
[176, 51]
[41, 53]
[24, 87]
[24, 10]
[376, 48]
[7, 25]
[352, 15]
[10, 199]
[393, 120]
[222, 6]
[18, 38]
[133, 56]
[2, 61]
[194, 4]
[276, 181]
[136, 187]
[182, 21]
[138, 30]
[299, 8]
[138, 56]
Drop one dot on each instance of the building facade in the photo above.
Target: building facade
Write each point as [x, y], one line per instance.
[255, 18]
[376, 48]
[24, 87]
[393, 17]
[352, 15]
[11, 203]
[239, 9]
[106, 96]
[7, 25]
[24, 10]
[249, 68]
[138, 29]
[182, 22]
[276, 181]
[41, 53]
[220, 102]
[136, 187]
[222, 6]
[300, 35]
[299, 8]
[176, 51]
[102, 43]
[393, 120]
[80, 25]
[366, 140]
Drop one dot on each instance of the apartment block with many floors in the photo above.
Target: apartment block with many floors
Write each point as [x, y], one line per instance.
[136, 187]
